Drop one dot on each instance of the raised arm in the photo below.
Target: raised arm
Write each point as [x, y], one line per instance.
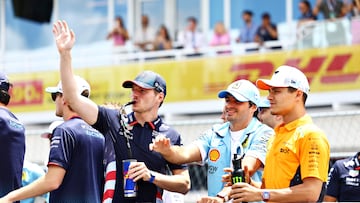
[65, 39]
[316, 8]
[176, 154]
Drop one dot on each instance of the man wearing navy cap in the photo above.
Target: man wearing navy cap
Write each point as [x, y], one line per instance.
[148, 93]
[12, 142]
[241, 134]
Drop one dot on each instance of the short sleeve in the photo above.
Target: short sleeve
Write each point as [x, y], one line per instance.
[101, 123]
[333, 183]
[203, 143]
[61, 148]
[314, 155]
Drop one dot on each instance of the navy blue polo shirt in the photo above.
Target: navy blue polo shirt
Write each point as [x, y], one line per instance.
[264, 33]
[12, 150]
[108, 124]
[79, 149]
[344, 180]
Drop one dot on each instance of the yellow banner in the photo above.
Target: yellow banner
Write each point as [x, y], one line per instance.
[331, 69]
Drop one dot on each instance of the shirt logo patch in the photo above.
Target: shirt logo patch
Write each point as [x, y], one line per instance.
[214, 155]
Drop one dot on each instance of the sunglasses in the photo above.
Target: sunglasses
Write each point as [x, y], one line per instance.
[54, 95]
[262, 108]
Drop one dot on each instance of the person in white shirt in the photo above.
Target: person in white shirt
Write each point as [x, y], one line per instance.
[191, 38]
[145, 36]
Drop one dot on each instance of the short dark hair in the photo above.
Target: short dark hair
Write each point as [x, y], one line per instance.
[4, 92]
[291, 89]
[265, 16]
[248, 12]
[192, 19]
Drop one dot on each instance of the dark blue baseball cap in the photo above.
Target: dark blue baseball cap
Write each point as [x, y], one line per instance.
[148, 80]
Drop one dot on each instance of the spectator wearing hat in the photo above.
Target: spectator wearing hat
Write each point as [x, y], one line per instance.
[264, 115]
[241, 134]
[12, 142]
[48, 133]
[131, 133]
[75, 169]
[343, 183]
[297, 159]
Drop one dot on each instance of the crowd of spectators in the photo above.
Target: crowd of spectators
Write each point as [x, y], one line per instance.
[191, 38]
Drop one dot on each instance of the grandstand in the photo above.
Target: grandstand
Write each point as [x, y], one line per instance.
[28, 55]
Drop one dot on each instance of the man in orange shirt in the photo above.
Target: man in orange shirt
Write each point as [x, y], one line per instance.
[297, 160]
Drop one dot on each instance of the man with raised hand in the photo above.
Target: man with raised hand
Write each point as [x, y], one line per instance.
[148, 93]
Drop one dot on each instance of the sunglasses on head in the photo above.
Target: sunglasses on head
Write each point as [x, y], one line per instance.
[54, 95]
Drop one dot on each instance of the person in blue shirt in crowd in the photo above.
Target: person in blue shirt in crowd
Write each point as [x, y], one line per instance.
[248, 32]
[148, 91]
[75, 169]
[12, 142]
[242, 133]
[343, 183]
[32, 172]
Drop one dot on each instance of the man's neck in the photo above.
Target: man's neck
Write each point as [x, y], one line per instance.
[236, 126]
[68, 114]
[294, 115]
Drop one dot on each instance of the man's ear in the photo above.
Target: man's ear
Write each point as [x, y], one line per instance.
[161, 96]
[299, 95]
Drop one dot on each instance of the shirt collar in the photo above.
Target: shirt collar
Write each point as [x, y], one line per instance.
[224, 128]
[154, 125]
[294, 124]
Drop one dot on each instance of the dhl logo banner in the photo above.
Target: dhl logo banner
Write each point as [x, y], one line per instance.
[331, 69]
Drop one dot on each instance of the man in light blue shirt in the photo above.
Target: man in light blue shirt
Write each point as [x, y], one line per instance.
[242, 133]
[248, 32]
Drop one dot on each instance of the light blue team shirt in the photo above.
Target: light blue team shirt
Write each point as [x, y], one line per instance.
[247, 34]
[32, 172]
[215, 148]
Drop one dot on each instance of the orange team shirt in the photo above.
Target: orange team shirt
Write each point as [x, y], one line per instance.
[297, 143]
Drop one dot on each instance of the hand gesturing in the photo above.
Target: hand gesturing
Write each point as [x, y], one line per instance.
[64, 37]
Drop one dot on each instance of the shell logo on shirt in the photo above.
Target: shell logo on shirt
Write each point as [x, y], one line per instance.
[214, 155]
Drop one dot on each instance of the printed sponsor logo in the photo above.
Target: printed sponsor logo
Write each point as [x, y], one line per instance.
[212, 169]
[27, 92]
[214, 155]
